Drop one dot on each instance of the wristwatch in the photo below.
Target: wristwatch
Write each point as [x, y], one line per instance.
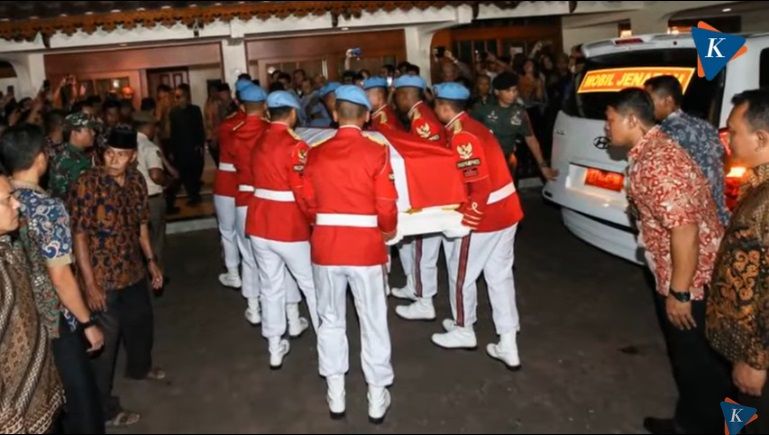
[89, 324]
[681, 296]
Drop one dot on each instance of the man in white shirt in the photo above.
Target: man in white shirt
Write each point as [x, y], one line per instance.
[152, 165]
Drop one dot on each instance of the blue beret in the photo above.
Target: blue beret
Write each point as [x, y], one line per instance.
[452, 91]
[374, 82]
[282, 99]
[243, 84]
[329, 88]
[353, 94]
[252, 94]
[409, 81]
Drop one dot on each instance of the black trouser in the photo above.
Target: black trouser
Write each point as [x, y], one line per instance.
[703, 378]
[158, 226]
[190, 164]
[82, 414]
[760, 426]
[128, 315]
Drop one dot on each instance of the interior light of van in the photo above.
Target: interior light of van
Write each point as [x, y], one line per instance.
[605, 179]
[617, 79]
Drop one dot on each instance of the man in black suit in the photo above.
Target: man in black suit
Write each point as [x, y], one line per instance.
[187, 142]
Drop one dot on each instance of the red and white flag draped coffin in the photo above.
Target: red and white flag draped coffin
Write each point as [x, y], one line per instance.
[429, 186]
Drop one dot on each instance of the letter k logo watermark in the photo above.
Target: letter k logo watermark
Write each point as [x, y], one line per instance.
[736, 416]
[715, 49]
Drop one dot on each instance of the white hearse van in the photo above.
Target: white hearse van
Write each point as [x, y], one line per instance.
[591, 188]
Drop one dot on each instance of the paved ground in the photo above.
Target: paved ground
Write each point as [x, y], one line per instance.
[592, 353]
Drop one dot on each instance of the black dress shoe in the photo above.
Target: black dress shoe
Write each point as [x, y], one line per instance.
[194, 201]
[660, 425]
[173, 210]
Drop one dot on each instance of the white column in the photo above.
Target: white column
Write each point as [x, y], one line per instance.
[418, 49]
[234, 60]
[30, 73]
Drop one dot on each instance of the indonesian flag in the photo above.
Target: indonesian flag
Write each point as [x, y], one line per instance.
[430, 170]
[429, 185]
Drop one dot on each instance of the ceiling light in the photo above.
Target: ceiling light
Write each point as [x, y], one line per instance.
[726, 10]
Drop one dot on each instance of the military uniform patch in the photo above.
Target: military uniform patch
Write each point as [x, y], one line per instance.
[465, 151]
[469, 163]
[302, 156]
[424, 131]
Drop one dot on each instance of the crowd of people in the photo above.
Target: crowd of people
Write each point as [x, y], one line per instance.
[85, 187]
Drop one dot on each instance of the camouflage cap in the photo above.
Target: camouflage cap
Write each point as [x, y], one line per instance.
[79, 120]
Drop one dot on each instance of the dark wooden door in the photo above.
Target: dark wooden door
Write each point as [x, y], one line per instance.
[171, 77]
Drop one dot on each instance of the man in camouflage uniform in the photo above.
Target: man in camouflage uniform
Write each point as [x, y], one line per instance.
[74, 159]
[508, 120]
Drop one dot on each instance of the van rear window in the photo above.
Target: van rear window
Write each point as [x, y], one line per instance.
[602, 76]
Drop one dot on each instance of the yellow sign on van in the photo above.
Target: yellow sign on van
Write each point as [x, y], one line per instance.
[617, 79]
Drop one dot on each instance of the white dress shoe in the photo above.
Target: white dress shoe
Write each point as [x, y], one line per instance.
[404, 293]
[459, 338]
[506, 351]
[253, 316]
[379, 401]
[449, 325]
[336, 397]
[231, 281]
[422, 309]
[278, 350]
[296, 325]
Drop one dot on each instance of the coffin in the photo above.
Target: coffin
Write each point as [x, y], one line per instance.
[429, 186]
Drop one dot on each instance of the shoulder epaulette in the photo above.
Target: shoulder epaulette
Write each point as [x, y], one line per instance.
[321, 142]
[378, 140]
[293, 134]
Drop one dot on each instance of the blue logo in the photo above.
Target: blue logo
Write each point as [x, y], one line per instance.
[715, 49]
[736, 416]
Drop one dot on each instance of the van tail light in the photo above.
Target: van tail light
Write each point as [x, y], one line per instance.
[735, 174]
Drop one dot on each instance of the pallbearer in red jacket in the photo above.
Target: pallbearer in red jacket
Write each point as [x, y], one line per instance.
[247, 134]
[493, 211]
[419, 256]
[382, 114]
[350, 194]
[280, 232]
[409, 91]
[225, 191]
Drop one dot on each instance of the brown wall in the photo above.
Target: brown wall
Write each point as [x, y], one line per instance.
[131, 62]
[331, 47]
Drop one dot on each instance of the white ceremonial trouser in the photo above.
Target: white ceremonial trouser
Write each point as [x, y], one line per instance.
[274, 261]
[406, 254]
[493, 255]
[368, 290]
[427, 250]
[226, 215]
[250, 273]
